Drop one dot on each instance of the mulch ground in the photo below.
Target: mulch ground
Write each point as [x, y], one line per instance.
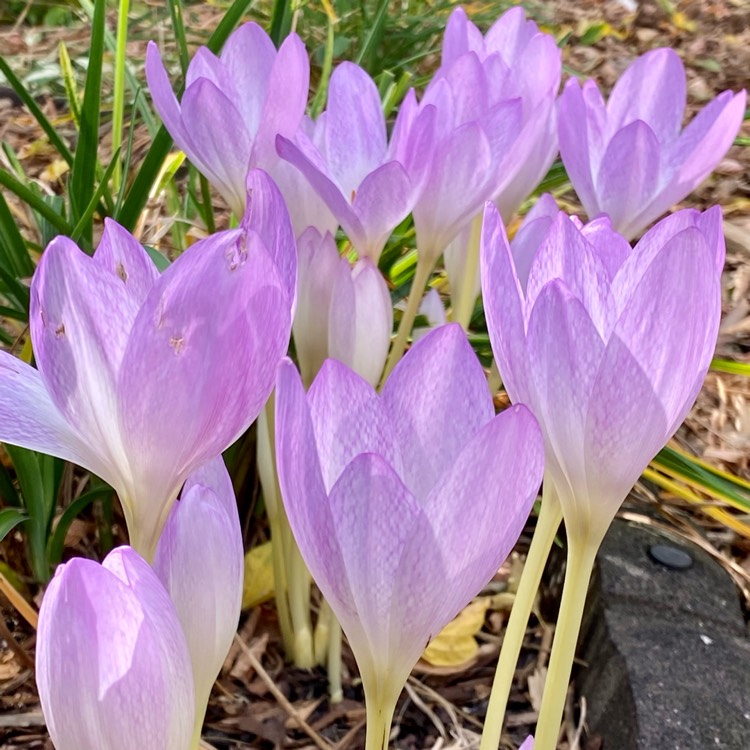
[441, 707]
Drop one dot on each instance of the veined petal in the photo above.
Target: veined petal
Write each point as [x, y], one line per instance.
[304, 493]
[266, 214]
[566, 349]
[485, 495]
[574, 124]
[658, 354]
[455, 189]
[611, 247]
[286, 99]
[461, 36]
[530, 235]
[200, 561]
[356, 142]
[629, 173]
[349, 419]
[373, 514]
[437, 398]
[123, 256]
[652, 89]
[323, 185]
[80, 319]
[503, 305]
[384, 199]
[565, 254]
[29, 418]
[184, 388]
[248, 56]
[217, 129]
[510, 34]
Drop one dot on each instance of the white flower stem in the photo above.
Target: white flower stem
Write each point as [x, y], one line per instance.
[581, 556]
[335, 688]
[379, 720]
[464, 301]
[547, 524]
[425, 264]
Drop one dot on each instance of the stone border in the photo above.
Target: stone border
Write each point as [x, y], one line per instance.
[667, 649]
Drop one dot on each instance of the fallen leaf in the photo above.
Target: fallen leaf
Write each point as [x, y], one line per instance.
[455, 643]
[258, 586]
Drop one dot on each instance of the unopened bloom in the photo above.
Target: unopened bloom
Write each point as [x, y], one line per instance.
[344, 311]
[234, 105]
[143, 377]
[200, 561]
[607, 346]
[112, 664]
[631, 158]
[403, 504]
[368, 186]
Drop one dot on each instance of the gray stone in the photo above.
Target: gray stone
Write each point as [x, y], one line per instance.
[667, 651]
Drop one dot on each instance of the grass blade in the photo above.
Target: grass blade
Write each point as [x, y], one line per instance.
[9, 519]
[281, 21]
[83, 171]
[33, 200]
[13, 253]
[85, 219]
[57, 541]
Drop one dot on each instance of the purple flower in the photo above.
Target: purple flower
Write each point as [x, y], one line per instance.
[143, 378]
[607, 346]
[403, 504]
[343, 311]
[200, 561]
[630, 158]
[494, 136]
[369, 187]
[112, 663]
[234, 105]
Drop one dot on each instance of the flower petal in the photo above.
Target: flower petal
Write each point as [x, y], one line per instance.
[503, 306]
[373, 514]
[356, 141]
[566, 349]
[216, 130]
[195, 375]
[200, 561]
[123, 256]
[658, 354]
[81, 317]
[437, 398]
[348, 419]
[629, 174]
[115, 655]
[361, 319]
[267, 215]
[303, 491]
[485, 496]
[461, 36]
[652, 89]
[29, 418]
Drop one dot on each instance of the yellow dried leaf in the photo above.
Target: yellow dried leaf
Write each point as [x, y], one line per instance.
[682, 22]
[258, 586]
[54, 171]
[455, 643]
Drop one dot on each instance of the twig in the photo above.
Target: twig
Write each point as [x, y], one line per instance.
[14, 645]
[280, 697]
[24, 608]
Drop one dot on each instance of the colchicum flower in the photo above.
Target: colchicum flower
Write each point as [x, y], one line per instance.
[630, 158]
[495, 123]
[369, 186]
[585, 320]
[234, 105]
[143, 378]
[200, 561]
[112, 664]
[403, 504]
[343, 311]
[609, 348]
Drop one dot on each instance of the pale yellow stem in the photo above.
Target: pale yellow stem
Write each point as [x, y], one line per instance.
[547, 524]
[581, 556]
[335, 688]
[463, 302]
[379, 720]
[425, 264]
[275, 511]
